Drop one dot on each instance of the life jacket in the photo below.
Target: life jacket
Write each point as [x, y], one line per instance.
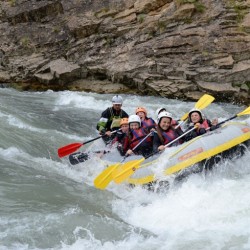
[169, 135]
[115, 120]
[137, 136]
[174, 122]
[124, 142]
[148, 123]
[205, 124]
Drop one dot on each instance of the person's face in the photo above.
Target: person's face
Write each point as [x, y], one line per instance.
[117, 107]
[141, 115]
[124, 128]
[165, 123]
[134, 125]
[195, 117]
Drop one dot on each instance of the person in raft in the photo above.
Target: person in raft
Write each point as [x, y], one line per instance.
[161, 109]
[165, 132]
[136, 135]
[122, 137]
[195, 118]
[111, 118]
[146, 122]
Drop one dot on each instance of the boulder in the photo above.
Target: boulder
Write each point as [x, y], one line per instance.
[58, 71]
[4, 77]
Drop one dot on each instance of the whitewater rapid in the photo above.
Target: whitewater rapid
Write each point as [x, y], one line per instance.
[46, 203]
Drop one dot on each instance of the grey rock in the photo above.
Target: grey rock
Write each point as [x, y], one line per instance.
[160, 47]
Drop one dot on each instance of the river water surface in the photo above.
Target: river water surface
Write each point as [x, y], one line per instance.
[46, 203]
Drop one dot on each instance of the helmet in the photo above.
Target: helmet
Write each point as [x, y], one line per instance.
[117, 99]
[164, 114]
[141, 109]
[194, 110]
[124, 121]
[159, 110]
[134, 118]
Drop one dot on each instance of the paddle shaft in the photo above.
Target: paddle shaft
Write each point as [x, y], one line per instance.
[220, 123]
[182, 122]
[142, 141]
[176, 139]
[71, 148]
[93, 139]
[229, 119]
[136, 146]
[99, 137]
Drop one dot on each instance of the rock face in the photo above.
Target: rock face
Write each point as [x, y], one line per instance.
[173, 48]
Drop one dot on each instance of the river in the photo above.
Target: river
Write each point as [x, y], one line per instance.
[46, 203]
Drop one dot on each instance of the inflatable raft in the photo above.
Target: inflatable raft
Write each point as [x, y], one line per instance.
[228, 141]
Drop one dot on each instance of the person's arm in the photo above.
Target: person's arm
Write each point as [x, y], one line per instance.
[156, 142]
[102, 123]
[190, 135]
[124, 114]
[212, 124]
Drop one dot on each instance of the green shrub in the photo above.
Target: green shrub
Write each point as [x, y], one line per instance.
[141, 18]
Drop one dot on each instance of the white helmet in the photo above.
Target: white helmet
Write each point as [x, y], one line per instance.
[159, 110]
[134, 118]
[194, 110]
[117, 99]
[164, 114]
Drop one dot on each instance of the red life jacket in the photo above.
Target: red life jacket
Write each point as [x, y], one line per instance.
[148, 123]
[205, 124]
[169, 135]
[137, 136]
[174, 122]
[125, 143]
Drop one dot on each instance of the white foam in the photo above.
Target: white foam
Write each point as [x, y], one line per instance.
[207, 212]
[80, 100]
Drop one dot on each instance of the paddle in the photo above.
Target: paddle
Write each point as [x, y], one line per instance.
[202, 103]
[71, 148]
[79, 157]
[105, 177]
[244, 112]
[130, 167]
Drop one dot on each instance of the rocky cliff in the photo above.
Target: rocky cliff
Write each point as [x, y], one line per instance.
[173, 48]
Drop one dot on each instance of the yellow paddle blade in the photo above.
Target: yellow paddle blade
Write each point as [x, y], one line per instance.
[202, 103]
[244, 112]
[184, 117]
[105, 177]
[126, 170]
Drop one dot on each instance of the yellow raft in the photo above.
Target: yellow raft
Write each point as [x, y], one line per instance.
[203, 151]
